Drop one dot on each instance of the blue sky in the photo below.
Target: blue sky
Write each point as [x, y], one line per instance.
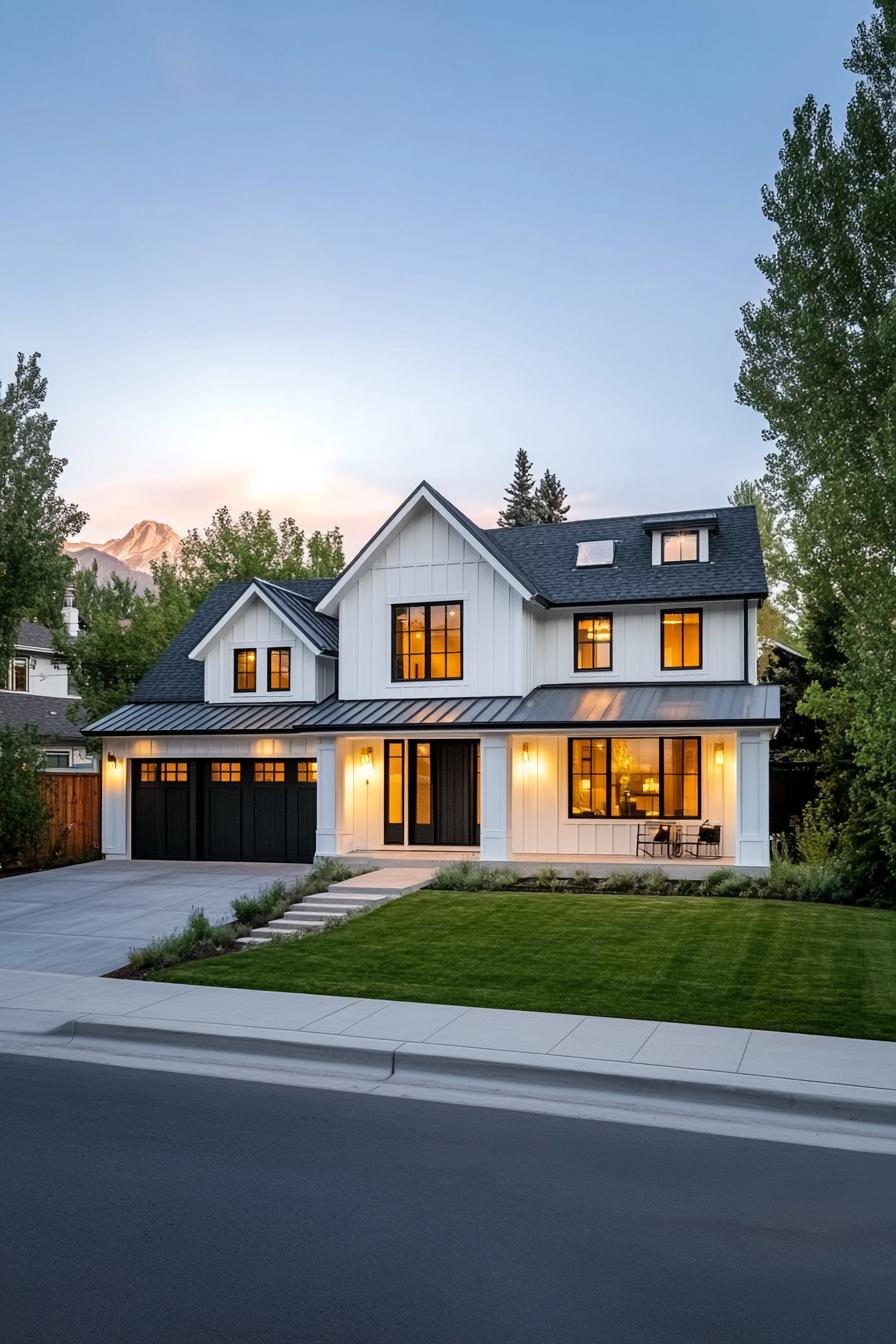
[300, 255]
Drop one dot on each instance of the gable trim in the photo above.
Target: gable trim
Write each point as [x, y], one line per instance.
[329, 604]
[198, 653]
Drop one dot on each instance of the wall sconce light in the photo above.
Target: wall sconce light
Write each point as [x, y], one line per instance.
[112, 758]
[718, 753]
[367, 763]
[525, 753]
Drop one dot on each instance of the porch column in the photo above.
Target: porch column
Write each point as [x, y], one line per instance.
[327, 802]
[114, 822]
[494, 830]
[752, 799]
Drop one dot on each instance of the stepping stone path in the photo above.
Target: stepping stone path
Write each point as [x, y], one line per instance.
[342, 899]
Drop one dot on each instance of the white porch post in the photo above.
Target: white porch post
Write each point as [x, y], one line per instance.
[494, 831]
[115, 795]
[752, 799]
[327, 796]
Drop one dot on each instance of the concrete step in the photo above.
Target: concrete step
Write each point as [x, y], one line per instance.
[256, 939]
[339, 907]
[291, 925]
[385, 882]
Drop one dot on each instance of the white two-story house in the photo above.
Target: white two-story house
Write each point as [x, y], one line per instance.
[582, 692]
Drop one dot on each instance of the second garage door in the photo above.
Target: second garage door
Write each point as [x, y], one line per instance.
[260, 810]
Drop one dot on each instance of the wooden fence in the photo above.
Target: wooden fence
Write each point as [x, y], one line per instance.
[75, 815]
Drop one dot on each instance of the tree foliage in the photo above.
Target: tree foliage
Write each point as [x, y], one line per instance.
[820, 366]
[525, 503]
[778, 616]
[34, 519]
[24, 814]
[123, 632]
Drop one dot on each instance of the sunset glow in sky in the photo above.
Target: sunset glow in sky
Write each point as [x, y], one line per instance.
[301, 255]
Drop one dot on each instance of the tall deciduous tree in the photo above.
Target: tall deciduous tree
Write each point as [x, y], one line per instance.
[550, 500]
[777, 616]
[519, 497]
[820, 366]
[24, 814]
[34, 519]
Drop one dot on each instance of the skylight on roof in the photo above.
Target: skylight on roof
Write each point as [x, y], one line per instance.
[593, 553]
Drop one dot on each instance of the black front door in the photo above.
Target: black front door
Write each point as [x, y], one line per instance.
[443, 791]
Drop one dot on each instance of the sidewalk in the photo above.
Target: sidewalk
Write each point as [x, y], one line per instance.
[809, 1088]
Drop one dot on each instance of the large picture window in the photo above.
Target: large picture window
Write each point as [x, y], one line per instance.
[634, 777]
[427, 642]
[594, 643]
[681, 639]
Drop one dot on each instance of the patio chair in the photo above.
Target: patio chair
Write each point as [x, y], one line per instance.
[703, 841]
[653, 837]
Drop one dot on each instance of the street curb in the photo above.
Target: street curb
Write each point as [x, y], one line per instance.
[371, 1060]
[430, 1068]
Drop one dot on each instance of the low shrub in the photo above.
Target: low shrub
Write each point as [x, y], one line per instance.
[198, 938]
[464, 875]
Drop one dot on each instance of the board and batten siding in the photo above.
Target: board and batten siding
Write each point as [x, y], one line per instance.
[429, 561]
[257, 627]
[540, 821]
[636, 644]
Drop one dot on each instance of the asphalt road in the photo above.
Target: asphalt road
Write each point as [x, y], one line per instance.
[140, 1206]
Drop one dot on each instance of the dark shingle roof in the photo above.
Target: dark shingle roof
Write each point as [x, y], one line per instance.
[322, 631]
[47, 713]
[592, 707]
[175, 676]
[547, 554]
[33, 636]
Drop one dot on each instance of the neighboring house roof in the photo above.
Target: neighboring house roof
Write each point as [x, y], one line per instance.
[47, 713]
[177, 677]
[594, 708]
[547, 554]
[33, 636]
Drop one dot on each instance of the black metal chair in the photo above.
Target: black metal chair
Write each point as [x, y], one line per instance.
[703, 841]
[652, 837]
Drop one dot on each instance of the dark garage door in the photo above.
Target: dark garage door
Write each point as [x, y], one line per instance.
[228, 809]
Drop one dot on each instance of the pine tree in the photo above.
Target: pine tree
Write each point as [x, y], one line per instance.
[550, 500]
[519, 506]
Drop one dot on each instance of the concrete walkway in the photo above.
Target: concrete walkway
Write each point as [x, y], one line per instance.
[832, 1089]
[84, 919]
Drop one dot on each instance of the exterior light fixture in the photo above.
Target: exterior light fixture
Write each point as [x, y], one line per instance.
[112, 758]
[718, 752]
[525, 753]
[367, 762]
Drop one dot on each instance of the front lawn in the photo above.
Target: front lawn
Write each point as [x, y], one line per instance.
[788, 967]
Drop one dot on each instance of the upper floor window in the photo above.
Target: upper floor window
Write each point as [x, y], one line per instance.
[682, 639]
[680, 547]
[18, 674]
[278, 669]
[594, 643]
[427, 642]
[244, 661]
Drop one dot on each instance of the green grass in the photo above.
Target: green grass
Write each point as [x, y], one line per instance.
[788, 967]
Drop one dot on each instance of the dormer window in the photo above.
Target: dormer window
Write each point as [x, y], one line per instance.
[595, 554]
[244, 668]
[681, 547]
[278, 669]
[18, 674]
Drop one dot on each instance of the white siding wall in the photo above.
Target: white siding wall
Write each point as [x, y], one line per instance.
[47, 676]
[540, 823]
[429, 561]
[636, 645]
[257, 627]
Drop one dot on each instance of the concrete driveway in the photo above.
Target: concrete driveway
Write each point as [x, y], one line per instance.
[85, 919]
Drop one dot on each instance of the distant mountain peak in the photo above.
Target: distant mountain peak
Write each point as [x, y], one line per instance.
[141, 544]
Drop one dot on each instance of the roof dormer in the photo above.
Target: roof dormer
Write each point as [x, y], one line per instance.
[680, 538]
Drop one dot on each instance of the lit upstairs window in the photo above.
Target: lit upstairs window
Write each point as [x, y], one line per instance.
[594, 554]
[680, 548]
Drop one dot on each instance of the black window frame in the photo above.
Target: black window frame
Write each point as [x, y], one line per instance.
[662, 815]
[590, 616]
[394, 831]
[682, 666]
[679, 532]
[427, 633]
[279, 690]
[245, 690]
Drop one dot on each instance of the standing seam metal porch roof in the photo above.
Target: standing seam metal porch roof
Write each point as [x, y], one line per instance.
[552, 707]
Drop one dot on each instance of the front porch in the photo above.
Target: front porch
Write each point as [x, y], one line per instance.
[528, 801]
